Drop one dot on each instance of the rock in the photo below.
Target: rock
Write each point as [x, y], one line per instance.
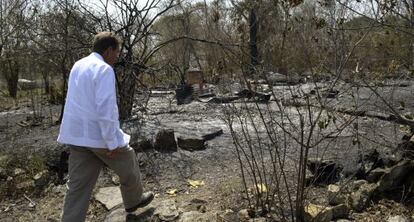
[194, 205]
[165, 141]
[331, 94]
[249, 94]
[318, 213]
[213, 134]
[361, 198]
[340, 211]
[115, 179]
[28, 184]
[109, 197]
[335, 196]
[191, 144]
[397, 219]
[227, 215]
[117, 215]
[397, 176]
[324, 171]
[358, 183]
[259, 219]
[375, 175]
[192, 216]
[4, 160]
[244, 214]
[184, 94]
[59, 190]
[26, 84]
[41, 178]
[275, 78]
[18, 171]
[226, 99]
[167, 210]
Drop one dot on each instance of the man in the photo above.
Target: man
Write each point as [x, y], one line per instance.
[91, 128]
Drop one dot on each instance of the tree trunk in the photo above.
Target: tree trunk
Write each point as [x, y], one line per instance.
[12, 77]
[126, 91]
[47, 83]
[411, 39]
[254, 53]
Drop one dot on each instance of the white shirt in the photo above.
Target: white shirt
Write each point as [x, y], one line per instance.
[91, 116]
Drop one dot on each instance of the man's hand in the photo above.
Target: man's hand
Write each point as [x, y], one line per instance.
[113, 153]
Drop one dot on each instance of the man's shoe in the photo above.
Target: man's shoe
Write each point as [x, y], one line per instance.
[146, 199]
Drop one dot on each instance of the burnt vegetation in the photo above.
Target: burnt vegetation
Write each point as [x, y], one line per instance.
[309, 102]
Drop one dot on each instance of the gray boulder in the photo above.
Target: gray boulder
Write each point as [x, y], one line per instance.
[167, 211]
[165, 141]
[110, 197]
[397, 176]
[192, 216]
[360, 199]
[191, 144]
[397, 219]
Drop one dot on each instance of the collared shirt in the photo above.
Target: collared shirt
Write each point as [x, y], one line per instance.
[91, 116]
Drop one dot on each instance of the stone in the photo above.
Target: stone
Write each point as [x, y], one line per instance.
[4, 160]
[25, 185]
[335, 196]
[250, 94]
[167, 210]
[361, 198]
[397, 219]
[18, 171]
[41, 178]
[396, 176]
[184, 94]
[194, 205]
[318, 213]
[227, 215]
[26, 84]
[375, 175]
[192, 216]
[331, 93]
[117, 215]
[215, 132]
[358, 183]
[115, 179]
[120, 215]
[259, 219]
[224, 99]
[191, 144]
[244, 214]
[109, 197]
[59, 190]
[165, 141]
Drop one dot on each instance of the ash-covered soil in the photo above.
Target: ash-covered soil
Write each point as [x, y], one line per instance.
[31, 148]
